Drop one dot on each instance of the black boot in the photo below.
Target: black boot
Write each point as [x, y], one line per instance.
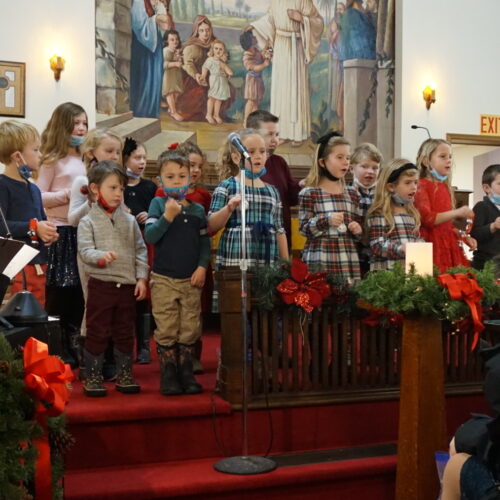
[169, 383]
[69, 342]
[81, 359]
[125, 381]
[186, 378]
[197, 366]
[93, 386]
[142, 331]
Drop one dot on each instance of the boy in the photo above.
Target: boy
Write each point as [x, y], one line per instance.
[21, 202]
[486, 226]
[178, 230]
[277, 170]
[365, 167]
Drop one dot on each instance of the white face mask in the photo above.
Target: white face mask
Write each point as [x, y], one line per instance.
[399, 200]
[362, 185]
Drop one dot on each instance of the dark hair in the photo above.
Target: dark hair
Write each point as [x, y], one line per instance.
[259, 116]
[103, 169]
[490, 174]
[172, 155]
[246, 39]
[171, 32]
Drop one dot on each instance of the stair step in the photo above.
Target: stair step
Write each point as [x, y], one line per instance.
[108, 121]
[141, 129]
[347, 479]
[160, 142]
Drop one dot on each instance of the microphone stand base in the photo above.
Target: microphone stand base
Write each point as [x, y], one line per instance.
[245, 465]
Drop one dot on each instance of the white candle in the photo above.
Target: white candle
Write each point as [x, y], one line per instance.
[420, 255]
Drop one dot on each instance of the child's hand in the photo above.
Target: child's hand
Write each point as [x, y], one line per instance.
[110, 257]
[336, 218]
[198, 277]
[172, 209]
[465, 213]
[46, 231]
[234, 202]
[355, 227]
[141, 218]
[140, 289]
[470, 242]
[495, 226]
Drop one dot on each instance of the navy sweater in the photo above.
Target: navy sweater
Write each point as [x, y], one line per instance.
[488, 243]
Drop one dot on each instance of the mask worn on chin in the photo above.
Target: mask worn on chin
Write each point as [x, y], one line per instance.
[24, 171]
[271, 151]
[251, 175]
[438, 176]
[400, 200]
[102, 203]
[76, 140]
[132, 175]
[177, 193]
[362, 186]
[495, 198]
[329, 176]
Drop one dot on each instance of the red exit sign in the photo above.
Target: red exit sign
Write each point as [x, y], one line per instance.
[490, 125]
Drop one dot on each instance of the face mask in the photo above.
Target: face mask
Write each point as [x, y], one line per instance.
[76, 140]
[102, 203]
[271, 151]
[362, 186]
[328, 175]
[495, 198]
[132, 175]
[438, 176]
[251, 175]
[24, 171]
[177, 193]
[399, 200]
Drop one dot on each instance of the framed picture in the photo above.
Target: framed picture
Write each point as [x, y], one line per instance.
[12, 88]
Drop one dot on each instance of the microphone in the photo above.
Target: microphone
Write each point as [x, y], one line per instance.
[425, 128]
[235, 140]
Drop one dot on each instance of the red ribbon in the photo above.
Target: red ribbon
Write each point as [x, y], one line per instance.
[47, 380]
[174, 145]
[304, 289]
[465, 287]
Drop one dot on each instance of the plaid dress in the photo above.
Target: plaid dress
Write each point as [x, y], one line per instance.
[264, 221]
[326, 248]
[386, 248]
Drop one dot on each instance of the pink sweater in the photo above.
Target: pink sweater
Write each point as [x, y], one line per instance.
[55, 182]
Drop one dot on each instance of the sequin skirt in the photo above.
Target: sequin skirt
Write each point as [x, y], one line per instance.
[62, 269]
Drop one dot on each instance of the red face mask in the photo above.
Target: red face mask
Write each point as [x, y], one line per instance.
[104, 205]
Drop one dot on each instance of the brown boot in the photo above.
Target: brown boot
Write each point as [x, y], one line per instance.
[169, 382]
[185, 370]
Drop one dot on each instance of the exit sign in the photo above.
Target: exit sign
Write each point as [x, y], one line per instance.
[490, 125]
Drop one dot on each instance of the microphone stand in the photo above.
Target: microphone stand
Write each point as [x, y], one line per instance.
[244, 464]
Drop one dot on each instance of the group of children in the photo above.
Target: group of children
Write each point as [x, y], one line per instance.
[108, 227]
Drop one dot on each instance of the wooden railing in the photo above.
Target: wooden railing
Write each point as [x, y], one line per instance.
[295, 359]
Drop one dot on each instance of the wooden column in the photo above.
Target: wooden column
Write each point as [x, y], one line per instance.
[422, 423]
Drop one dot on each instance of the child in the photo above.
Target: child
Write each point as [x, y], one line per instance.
[114, 254]
[327, 213]
[486, 226]
[61, 164]
[178, 230]
[220, 72]
[254, 62]
[365, 167]
[435, 202]
[172, 75]
[266, 238]
[21, 202]
[392, 219]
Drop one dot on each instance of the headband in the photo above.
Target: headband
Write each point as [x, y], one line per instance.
[396, 173]
[323, 141]
[129, 146]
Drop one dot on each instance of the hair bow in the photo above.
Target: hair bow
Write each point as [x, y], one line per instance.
[174, 145]
[129, 146]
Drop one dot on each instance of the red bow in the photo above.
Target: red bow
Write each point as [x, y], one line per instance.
[174, 145]
[373, 319]
[47, 380]
[465, 287]
[304, 289]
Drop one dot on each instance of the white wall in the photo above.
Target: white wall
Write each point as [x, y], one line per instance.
[454, 43]
[30, 31]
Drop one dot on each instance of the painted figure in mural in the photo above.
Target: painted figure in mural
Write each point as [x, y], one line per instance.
[358, 34]
[254, 61]
[172, 73]
[146, 61]
[336, 73]
[218, 83]
[293, 28]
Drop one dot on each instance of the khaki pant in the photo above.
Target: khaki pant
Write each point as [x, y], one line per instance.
[176, 308]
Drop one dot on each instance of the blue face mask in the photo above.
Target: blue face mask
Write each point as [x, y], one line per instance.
[495, 198]
[438, 176]
[399, 200]
[251, 175]
[24, 171]
[76, 140]
[177, 193]
[132, 175]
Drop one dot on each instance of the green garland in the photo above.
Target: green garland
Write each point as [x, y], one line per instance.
[18, 429]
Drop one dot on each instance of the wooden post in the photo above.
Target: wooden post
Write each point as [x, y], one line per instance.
[422, 424]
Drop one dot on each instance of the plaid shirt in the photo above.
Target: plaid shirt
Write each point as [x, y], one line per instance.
[387, 248]
[363, 197]
[326, 248]
[264, 211]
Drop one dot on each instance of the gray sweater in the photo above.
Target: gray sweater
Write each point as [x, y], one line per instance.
[98, 234]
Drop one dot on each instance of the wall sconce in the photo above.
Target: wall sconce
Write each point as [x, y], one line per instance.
[57, 65]
[429, 96]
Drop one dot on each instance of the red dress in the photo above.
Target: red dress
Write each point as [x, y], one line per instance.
[432, 199]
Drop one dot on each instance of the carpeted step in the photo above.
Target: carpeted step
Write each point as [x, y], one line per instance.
[372, 478]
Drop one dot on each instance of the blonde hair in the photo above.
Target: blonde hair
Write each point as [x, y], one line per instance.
[57, 134]
[14, 136]
[425, 152]
[225, 166]
[314, 176]
[382, 202]
[92, 141]
[211, 49]
[364, 151]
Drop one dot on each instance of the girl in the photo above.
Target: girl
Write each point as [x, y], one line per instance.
[266, 236]
[392, 219]
[61, 164]
[435, 202]
[172, 75]
[220, 73]
[327, 213]
[114, 254]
